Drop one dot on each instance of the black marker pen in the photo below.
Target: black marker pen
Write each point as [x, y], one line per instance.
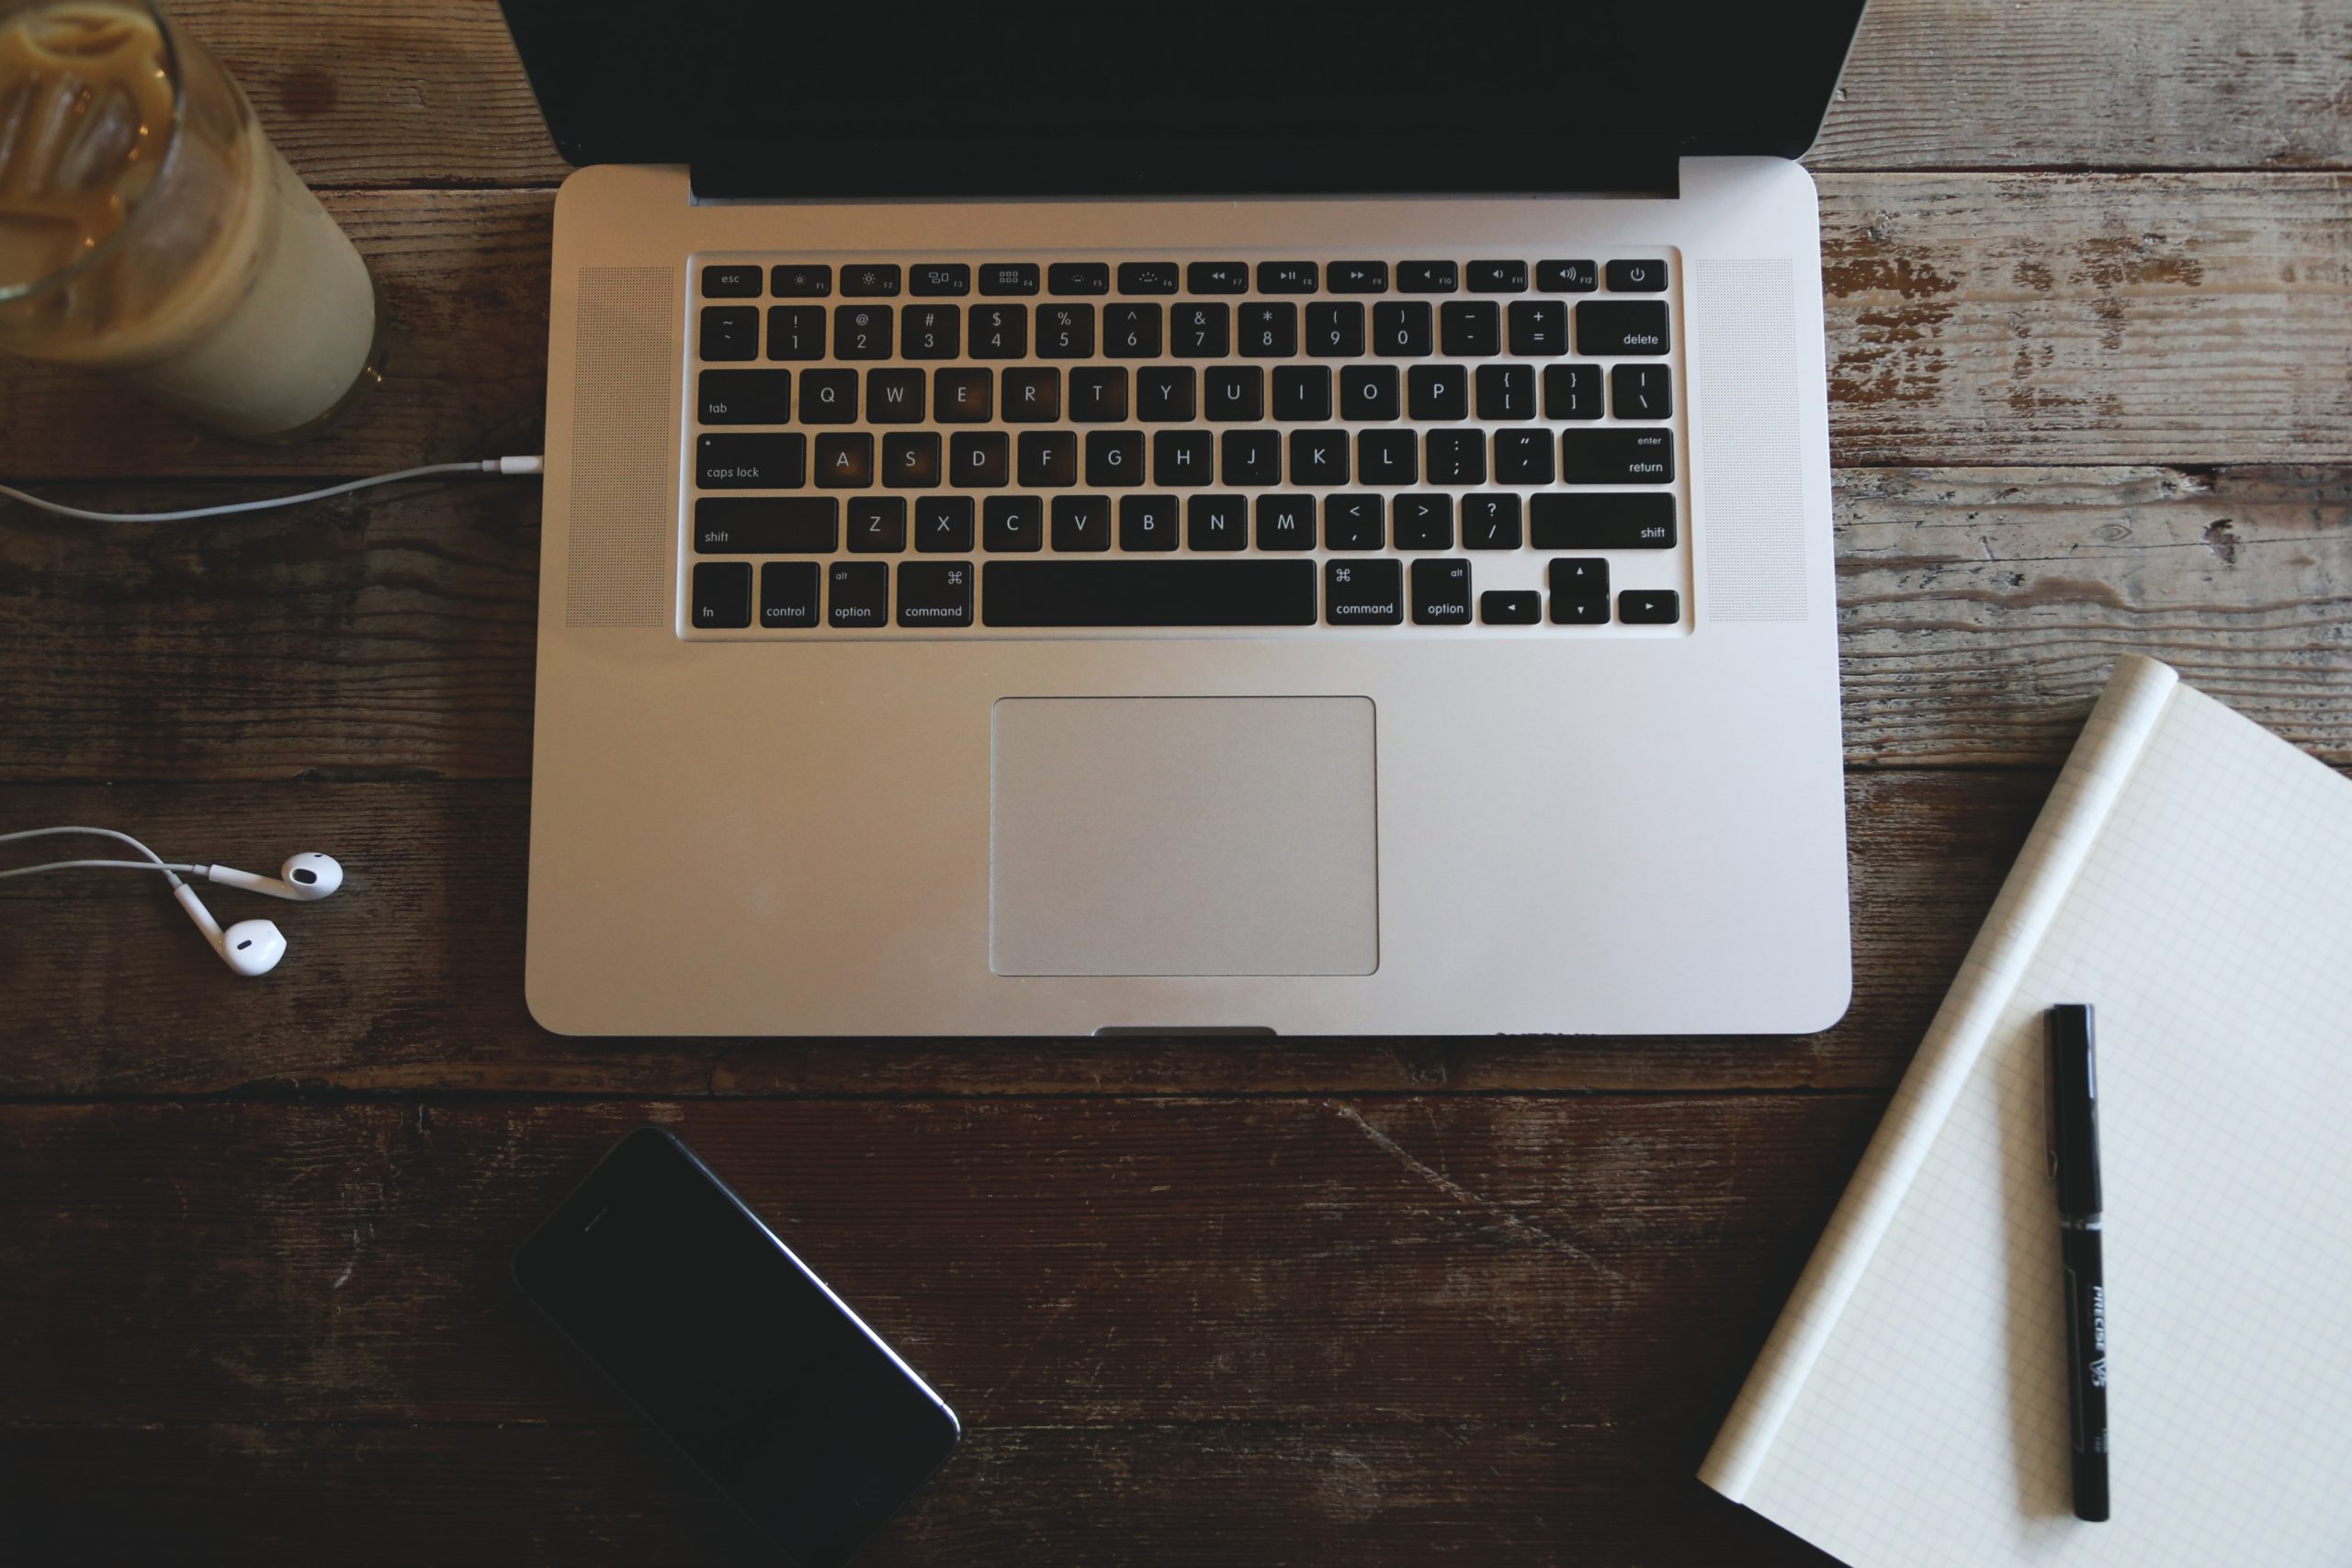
[2073, 1165]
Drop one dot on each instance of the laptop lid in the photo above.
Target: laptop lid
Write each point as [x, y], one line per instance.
[769, 98]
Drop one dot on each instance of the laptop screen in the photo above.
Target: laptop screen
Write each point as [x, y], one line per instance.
[1276, 96]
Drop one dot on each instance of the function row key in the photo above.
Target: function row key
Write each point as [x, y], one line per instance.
[730, 282]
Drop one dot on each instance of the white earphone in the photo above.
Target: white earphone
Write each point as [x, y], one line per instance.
[249, 947]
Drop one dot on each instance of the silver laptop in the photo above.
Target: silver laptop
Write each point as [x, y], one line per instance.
[1290, 519]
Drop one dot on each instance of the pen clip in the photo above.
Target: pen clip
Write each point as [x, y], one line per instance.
[2049, 1094]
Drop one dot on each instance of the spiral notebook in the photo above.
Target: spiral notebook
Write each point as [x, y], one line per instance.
[2191, 877]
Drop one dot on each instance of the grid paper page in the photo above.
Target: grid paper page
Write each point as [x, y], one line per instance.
[2210, 924]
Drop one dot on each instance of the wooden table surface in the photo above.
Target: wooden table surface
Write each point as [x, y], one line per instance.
[2089, 271]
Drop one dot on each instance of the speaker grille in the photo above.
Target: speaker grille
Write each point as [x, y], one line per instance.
[1751, 455]
[622, 527]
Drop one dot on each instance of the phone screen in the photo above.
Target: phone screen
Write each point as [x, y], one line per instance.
[662, 1276]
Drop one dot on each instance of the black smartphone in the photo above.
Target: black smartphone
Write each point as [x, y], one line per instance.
[665, 1280]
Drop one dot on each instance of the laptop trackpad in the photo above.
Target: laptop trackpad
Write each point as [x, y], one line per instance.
[1184, 836]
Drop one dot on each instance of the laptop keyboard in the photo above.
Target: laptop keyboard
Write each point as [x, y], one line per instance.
[1262, 445]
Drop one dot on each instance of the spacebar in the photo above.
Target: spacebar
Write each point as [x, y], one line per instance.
[1148, 594]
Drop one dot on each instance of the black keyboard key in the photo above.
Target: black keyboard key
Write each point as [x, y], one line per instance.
[1617, 458]
[1065, 331]
[1567, 276]
[965, 397]
[1270, 331]
[1217, 277]
[800, 281]
[931, 331]
[730, 332]
[750, 462]
[1571, 391]
[795, 332]
[1539, 329]
[1335, 329]
[1081, 522]
[1319, 456]
[1422, 520]
[765, 525]
[845, 462]
[1148, 594]
[910, 461]
[829, 397]
[1506, 391]
[1613, 521]
[1523, 457]
[1457, 457]
[1649, 607]
[894, 397]
[736, 281]
[1369, 391]
[1183, 459]
[1438, 392]
[1217, 523]
[1013, 522]
[1048, 459]
[1167, 393]
[1637, 277]
[1303, 391]
[1000, 331]
[1358, 277]
[1490, 522]
[1078, 277]
[877, 524]
[1009, 277]
[940, 280]
[1364, 592]
[862, 331]
[1253, 458]
[1387, 458]
[1440, 593]
[978, 459]
[1498, 277]
[1237, 392]
[1509, 607]
[1114, 459]
[1098, 396]
[1401, 330]
[744, 397]
[1428, 277]
[871, 280]
[1146, 522]
[936, 593]
[944, 524]
[1285, 522]
[1641, 391]
[1623, 328]
[1147, 277]
[1470, 329]
[1130, 332]
[1353, 523]
[1286, 277]
[722, 595]
[788, 593]
[1579, 593]
[1033, 395]
[857, 593]
[1202, 332]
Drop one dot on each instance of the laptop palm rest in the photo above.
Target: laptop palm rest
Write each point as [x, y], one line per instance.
[1184, 836]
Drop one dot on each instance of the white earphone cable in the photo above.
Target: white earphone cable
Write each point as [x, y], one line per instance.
[97, 865]
[500, 466]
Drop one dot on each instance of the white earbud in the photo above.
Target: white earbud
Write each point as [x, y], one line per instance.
[250, 947]
[302, 878]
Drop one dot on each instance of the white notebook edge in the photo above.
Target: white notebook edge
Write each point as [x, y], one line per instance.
[2111, 743]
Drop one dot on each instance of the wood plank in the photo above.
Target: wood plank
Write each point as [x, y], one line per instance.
[1133, 1495]
[1972, 319]
[392, 635]
[410, 979]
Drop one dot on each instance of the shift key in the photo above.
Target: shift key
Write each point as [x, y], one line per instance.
[767, 525]
[750, 462]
